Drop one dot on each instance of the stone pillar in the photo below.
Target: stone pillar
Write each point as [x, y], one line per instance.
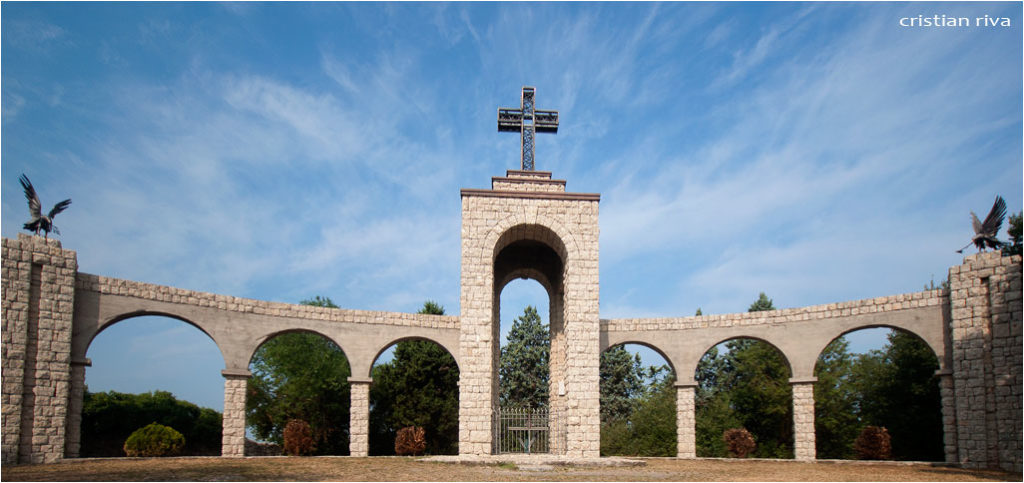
[803, 418]
[73, 436]
[233, 439]
[985, 331]
[38, 309]
[686, 420]
[948, 396]
[359, 417]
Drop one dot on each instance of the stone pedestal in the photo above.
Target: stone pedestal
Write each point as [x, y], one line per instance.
[986, 339]
[38, 303]
[686, 420]
[233, 431]
[803, 419]
[359, 417]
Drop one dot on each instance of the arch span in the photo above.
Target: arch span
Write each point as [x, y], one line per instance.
[394, 342]
[610, 343]
[297, 330]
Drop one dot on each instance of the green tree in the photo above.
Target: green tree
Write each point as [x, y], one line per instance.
[653, 425]
[417, 387]
[1014, 231]
[762, 303]
[108, 418]
[301, 375]
[745, 385]
[899, 390]
[836, 402]
[523, 370]
[622, 383]
[637, 406]
[761, 395]
[714, 413]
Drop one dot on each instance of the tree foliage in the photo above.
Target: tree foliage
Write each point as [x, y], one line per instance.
[762, 303]
[301, 375]
[523, 372]
[894, 387]
[154, 440]
[622, 383]
[638, 406]
[1014, 231]
[109, 418]
[417, 387]
[745, 385]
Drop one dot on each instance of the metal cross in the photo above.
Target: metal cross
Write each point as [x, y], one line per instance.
[527, 121]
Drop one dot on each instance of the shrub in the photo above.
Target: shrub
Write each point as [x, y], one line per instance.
[298, 438]
[108, 418]
[873, 444]
[411, 440]
[154, 440]
[739, 441]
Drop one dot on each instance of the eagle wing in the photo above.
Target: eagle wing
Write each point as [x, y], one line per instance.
[59, 207]
[994, 220]
[34, 206]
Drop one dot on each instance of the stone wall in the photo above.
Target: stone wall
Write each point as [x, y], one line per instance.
[38, 301]
[987, 344]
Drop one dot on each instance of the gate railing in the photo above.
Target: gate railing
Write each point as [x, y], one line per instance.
[522, 430]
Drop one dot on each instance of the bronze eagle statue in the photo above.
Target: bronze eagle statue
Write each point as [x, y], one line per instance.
[985, 232]
[40, 221]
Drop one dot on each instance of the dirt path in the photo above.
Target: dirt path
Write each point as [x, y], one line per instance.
[407, 469]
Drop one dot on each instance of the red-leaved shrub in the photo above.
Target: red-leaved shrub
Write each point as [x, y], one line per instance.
[740, 442]
[410, 440]
[298, 438]
[873, 443]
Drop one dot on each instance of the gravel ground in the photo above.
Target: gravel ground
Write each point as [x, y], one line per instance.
[409, 469]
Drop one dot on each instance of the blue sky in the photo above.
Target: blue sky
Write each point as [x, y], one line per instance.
[818, 152]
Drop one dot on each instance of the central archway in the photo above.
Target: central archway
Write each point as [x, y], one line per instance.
[533, 252]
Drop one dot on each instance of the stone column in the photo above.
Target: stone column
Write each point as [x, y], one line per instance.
[686, 420]
[803, 418]
[233, 440]
[73, 434]
[359, 417]
[948, 396]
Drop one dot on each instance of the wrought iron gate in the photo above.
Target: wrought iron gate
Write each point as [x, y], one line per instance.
[520, 430]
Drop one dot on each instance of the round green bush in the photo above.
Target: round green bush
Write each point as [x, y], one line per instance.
[154, 440]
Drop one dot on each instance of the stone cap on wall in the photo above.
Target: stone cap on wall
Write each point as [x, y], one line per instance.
[162, 293]
[815, 312]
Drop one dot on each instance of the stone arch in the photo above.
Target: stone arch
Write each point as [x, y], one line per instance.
[88, 339]
[514, 227]
[781, 430]
[785, 357]
[937, 351]
[525, 273]
[533, 248]
[925, 412]
[251, 350]
[388, 345]
[649, 345]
